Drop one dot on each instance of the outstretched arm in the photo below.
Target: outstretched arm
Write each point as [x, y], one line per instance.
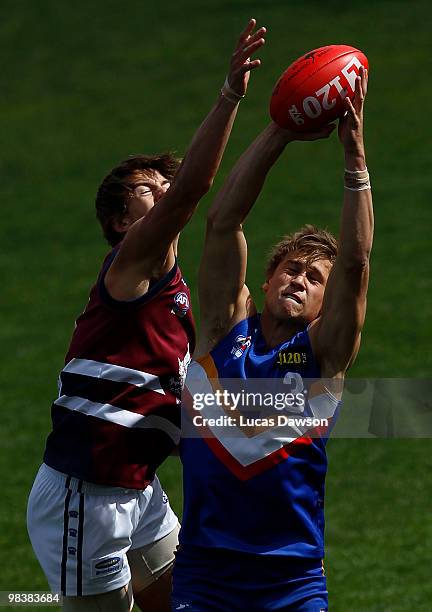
[147, 250]
[336, 335]
[224, 297]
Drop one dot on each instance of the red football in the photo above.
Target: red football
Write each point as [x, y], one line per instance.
[311, 91]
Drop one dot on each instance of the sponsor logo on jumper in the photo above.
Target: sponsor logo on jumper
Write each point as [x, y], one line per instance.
[241, 343]
[288, 358]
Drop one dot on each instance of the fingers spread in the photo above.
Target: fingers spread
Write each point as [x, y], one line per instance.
[251, 65]
[240, 65]
[255, 36]
[246, 32]
[247, 38]
[250, 49]
[349, 107]
[352, 114]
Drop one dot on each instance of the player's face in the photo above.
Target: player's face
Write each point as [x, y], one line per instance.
[296, 288]
[147, 190]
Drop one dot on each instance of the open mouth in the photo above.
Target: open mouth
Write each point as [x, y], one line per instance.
[292, 297]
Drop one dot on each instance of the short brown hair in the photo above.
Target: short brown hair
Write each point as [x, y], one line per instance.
[116, 188]
[309, 242]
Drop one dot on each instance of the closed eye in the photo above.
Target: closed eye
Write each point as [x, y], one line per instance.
[144, 192]
[292, 269]
[316, 279]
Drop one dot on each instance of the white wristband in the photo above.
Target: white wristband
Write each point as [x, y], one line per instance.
[230, 94]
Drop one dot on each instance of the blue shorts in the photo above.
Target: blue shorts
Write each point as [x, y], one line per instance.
[220, 580]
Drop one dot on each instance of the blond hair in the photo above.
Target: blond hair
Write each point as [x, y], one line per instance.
[309, 243]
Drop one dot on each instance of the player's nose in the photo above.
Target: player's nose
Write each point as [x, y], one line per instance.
[299, 280]
[160, 190]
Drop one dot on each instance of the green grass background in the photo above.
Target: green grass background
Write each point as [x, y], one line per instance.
[84, 84]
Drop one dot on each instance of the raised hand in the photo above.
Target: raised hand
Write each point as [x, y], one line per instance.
[288, 135]
[241, 64]
[351, 124]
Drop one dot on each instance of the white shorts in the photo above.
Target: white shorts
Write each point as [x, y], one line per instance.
[81, 532]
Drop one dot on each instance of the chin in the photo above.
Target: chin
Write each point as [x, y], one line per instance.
[289, 312]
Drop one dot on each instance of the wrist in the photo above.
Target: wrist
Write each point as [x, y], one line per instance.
[282, 135]
[229, 94]
[355, 160]
[275, 138]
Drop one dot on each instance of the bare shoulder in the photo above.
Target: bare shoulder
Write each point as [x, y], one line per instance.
[326, 355]
[125, 280]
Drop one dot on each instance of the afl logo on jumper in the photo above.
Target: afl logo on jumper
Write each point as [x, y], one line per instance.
[181, 304]
[241, 343]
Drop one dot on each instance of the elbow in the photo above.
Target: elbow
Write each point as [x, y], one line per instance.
[355, 258]
[222, 221]
[214, 218]
[193, 191]
[357, 265]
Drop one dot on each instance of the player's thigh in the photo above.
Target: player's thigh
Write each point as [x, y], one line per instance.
[151, 561]
[151, 567]
[157, 596]
[119, 600]
[151, 556]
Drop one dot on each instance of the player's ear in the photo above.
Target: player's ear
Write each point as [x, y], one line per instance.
[265, 286]
[121, 224]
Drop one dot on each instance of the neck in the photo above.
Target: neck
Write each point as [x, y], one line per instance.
[275, 331]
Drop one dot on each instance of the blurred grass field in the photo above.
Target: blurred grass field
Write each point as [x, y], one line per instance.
[83, 85]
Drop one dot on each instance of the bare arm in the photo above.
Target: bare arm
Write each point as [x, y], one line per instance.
[224, 297]
[336, 335]
[147, 250]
